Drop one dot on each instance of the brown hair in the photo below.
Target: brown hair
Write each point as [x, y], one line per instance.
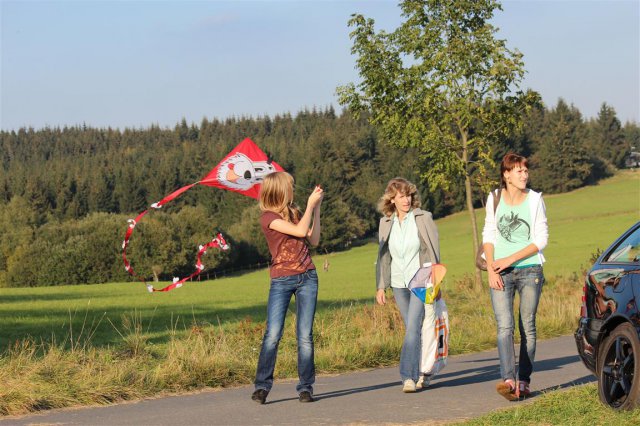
[276, 195]
[510, 162]
[395, 186]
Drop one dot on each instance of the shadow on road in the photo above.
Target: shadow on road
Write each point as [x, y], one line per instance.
[581, 381]
[486, 373]
[491, 373]
[555, 363]
[344, 392]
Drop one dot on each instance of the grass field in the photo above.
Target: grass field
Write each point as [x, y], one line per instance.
[580, 223]
[67, 345]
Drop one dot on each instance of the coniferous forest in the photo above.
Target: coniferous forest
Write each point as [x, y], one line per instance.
[66, 193]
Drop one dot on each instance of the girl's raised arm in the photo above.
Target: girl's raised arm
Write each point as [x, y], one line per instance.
[300, 229]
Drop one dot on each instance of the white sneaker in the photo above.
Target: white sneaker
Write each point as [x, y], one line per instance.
[423, 381]
[409, 386]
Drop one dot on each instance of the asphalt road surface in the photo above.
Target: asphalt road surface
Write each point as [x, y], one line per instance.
[464, 389]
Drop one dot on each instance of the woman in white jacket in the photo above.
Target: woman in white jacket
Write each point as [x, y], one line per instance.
[513, 239]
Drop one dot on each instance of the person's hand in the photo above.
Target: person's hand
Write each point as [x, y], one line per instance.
[315, 198]
[380, 297]
[321, 196]
[495, 280]
[501, 264]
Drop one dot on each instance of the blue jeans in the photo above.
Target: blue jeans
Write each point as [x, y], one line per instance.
[305, 288]
[528, 283]
[412, 311]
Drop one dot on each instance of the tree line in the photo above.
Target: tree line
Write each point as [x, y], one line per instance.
[66, 193]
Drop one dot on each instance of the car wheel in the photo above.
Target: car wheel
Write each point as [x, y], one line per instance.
[619, 368]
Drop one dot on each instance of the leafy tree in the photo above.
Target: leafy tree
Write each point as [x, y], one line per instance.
[18, 222]
[522, 140]
[248, 243]
[196, 227]
[441, 82]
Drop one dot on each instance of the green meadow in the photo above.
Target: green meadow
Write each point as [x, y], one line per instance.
[580, 223]
[87, 344]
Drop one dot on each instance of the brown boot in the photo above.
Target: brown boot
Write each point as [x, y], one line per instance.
[507, 389]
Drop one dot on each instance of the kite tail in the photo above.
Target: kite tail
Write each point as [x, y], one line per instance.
[218, 242]
[127, 265]
[174, 194]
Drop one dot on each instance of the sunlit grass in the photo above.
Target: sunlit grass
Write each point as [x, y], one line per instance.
[578, 406]
[196, 354]
[89, 344]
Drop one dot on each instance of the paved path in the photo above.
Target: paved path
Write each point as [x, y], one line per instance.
[465, 389]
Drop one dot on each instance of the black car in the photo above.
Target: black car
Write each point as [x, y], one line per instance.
[609, 328]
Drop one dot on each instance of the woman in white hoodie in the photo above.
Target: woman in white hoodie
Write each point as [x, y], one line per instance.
[513, 239]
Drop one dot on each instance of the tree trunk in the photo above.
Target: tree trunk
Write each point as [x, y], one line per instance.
[474, 230]
[472, 213]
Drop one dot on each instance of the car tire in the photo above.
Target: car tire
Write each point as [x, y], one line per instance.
[619, 368]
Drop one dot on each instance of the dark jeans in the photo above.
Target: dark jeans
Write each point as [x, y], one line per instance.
[305, 289]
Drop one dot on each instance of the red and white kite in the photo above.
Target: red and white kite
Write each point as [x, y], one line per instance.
[242, 170]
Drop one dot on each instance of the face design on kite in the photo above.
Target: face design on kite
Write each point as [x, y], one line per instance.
[239, 172]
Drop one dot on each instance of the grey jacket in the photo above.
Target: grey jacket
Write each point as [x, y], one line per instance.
[429, 245]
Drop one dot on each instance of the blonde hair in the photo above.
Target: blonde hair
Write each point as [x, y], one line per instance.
[395, 186]
[276, 195]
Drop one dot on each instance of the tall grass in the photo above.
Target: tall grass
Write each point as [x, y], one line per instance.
[46, 375]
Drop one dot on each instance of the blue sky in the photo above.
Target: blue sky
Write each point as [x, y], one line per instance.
[136, 63]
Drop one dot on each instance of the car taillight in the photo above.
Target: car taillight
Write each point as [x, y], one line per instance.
[583, 308]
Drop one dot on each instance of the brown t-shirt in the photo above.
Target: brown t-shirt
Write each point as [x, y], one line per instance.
[289, 254]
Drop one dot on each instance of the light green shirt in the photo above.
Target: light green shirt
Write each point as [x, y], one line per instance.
[404, 247]
[514, 232]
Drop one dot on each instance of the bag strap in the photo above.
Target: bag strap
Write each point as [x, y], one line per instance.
[496, 199]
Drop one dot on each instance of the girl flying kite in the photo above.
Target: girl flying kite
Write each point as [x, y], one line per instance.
[292, 272]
